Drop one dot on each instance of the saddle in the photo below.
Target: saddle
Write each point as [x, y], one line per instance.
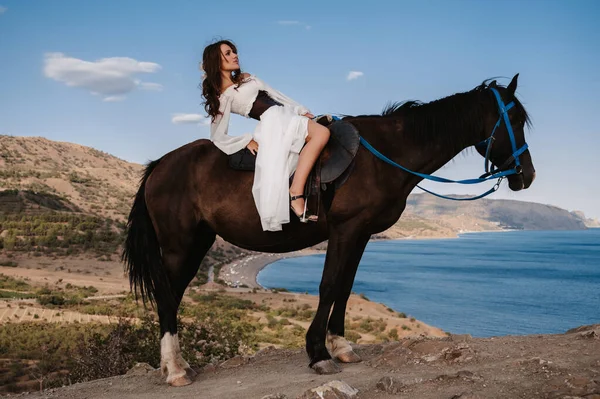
[332, 168]
[336, 159]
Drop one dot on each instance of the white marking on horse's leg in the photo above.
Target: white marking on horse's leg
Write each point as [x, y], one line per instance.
[181, 361]
[337, 345]
[340, 349]
[170, 355]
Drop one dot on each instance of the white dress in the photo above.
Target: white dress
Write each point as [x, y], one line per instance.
[280, 134]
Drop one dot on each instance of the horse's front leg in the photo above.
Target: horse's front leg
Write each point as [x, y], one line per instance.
[337, 345]
[341, 247]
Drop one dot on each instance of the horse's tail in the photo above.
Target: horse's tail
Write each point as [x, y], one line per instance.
[142, 254]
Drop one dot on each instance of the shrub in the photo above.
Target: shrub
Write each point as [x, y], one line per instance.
[12, 294]
[105, 355]
[55, 299]
[9, 263]
[14, 284]
[224, 301]
[352, 336]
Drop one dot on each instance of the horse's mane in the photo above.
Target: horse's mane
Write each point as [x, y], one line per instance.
[458, 112]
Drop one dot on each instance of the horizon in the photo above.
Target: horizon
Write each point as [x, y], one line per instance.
[123, 78]
[419, 192]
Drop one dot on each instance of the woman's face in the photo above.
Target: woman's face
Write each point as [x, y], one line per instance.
[229, 59]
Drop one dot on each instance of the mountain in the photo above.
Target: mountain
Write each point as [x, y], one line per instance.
[92, 180]
[504, 214]
[75, 178]
[64, 199]
[594, 223]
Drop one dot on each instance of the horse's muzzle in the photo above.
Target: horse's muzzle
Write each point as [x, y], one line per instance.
[522, 180]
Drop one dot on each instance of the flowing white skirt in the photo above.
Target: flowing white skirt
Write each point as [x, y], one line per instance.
[280, 135]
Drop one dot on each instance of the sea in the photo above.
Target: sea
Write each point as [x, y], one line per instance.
[483, 284]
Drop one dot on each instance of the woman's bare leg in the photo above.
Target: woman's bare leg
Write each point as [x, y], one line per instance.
[317, 138]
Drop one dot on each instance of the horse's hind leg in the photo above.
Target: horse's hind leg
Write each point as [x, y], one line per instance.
[337, 345]
[181, 261]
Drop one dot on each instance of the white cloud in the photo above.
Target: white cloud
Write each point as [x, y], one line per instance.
[293, 22]
[354, 75]
[113, 99]
[3, 10]
[150, 86]
[110, 77]
[181, 119]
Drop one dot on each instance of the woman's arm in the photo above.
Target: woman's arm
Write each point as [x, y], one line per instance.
[220, 126]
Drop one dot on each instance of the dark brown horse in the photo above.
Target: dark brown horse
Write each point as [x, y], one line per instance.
[190, 195]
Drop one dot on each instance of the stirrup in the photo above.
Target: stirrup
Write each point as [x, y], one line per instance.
[304, 217]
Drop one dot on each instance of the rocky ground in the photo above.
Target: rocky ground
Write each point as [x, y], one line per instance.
[539, 366]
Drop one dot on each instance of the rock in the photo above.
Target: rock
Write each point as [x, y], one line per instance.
[589, 335]
[140, 369]
[582, 328]
[332, 390]
[431, 358]
[467, 395]
[235, 361]
[209, 368]
[573, 386]
[465, 375]
[390, 385]
[460, 337]
[453, 355]
[275, 396]
[265, 351]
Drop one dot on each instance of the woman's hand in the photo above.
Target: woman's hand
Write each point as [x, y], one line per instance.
[309, 115]
[252, 146]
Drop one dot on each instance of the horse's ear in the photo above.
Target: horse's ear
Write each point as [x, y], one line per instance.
[493, 83]
[512, 87]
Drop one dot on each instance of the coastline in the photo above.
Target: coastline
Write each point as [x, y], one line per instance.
[244, 271]
[524, 278]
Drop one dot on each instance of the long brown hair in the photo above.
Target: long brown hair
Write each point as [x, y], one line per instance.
[212, 83]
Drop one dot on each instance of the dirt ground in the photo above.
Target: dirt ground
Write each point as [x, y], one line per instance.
[539, 366]
[426, 364]
[26, 311]
[108, 277]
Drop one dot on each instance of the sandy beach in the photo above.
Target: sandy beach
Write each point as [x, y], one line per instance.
[244, 271]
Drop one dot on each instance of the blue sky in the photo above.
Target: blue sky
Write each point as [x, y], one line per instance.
[117, 75]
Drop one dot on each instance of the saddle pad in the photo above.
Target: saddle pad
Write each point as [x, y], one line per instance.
[244, 159]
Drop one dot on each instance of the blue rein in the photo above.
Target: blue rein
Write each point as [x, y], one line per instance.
[494, 173]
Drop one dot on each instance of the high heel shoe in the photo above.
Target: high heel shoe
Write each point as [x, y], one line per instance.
[304, 217]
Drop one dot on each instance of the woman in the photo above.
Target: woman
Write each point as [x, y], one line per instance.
[285, 141]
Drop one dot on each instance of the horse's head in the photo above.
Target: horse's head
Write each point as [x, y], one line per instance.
[505, 147]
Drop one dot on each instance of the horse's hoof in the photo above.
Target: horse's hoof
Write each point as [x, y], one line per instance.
[190, 373]
[326, 367]
[349, 357]
[181, 381]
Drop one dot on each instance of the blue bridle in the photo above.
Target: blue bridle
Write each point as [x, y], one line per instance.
[500, 173]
